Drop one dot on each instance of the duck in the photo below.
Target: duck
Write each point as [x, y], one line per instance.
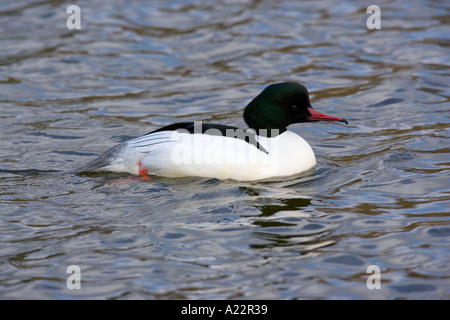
[266, 150]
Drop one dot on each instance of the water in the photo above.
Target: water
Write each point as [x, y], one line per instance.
[378, 196]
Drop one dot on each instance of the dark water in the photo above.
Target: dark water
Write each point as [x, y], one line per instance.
[378, 196]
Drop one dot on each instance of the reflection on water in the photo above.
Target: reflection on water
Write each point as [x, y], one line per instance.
[379, 195]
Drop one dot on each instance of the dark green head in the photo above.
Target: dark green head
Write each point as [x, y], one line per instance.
[280, 105]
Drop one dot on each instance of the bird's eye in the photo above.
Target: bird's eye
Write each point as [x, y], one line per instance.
[294, 107]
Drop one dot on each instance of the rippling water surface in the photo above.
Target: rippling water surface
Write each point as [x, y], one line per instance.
[378, 196]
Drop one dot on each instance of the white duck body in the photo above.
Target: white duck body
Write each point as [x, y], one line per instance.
[181, 154]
